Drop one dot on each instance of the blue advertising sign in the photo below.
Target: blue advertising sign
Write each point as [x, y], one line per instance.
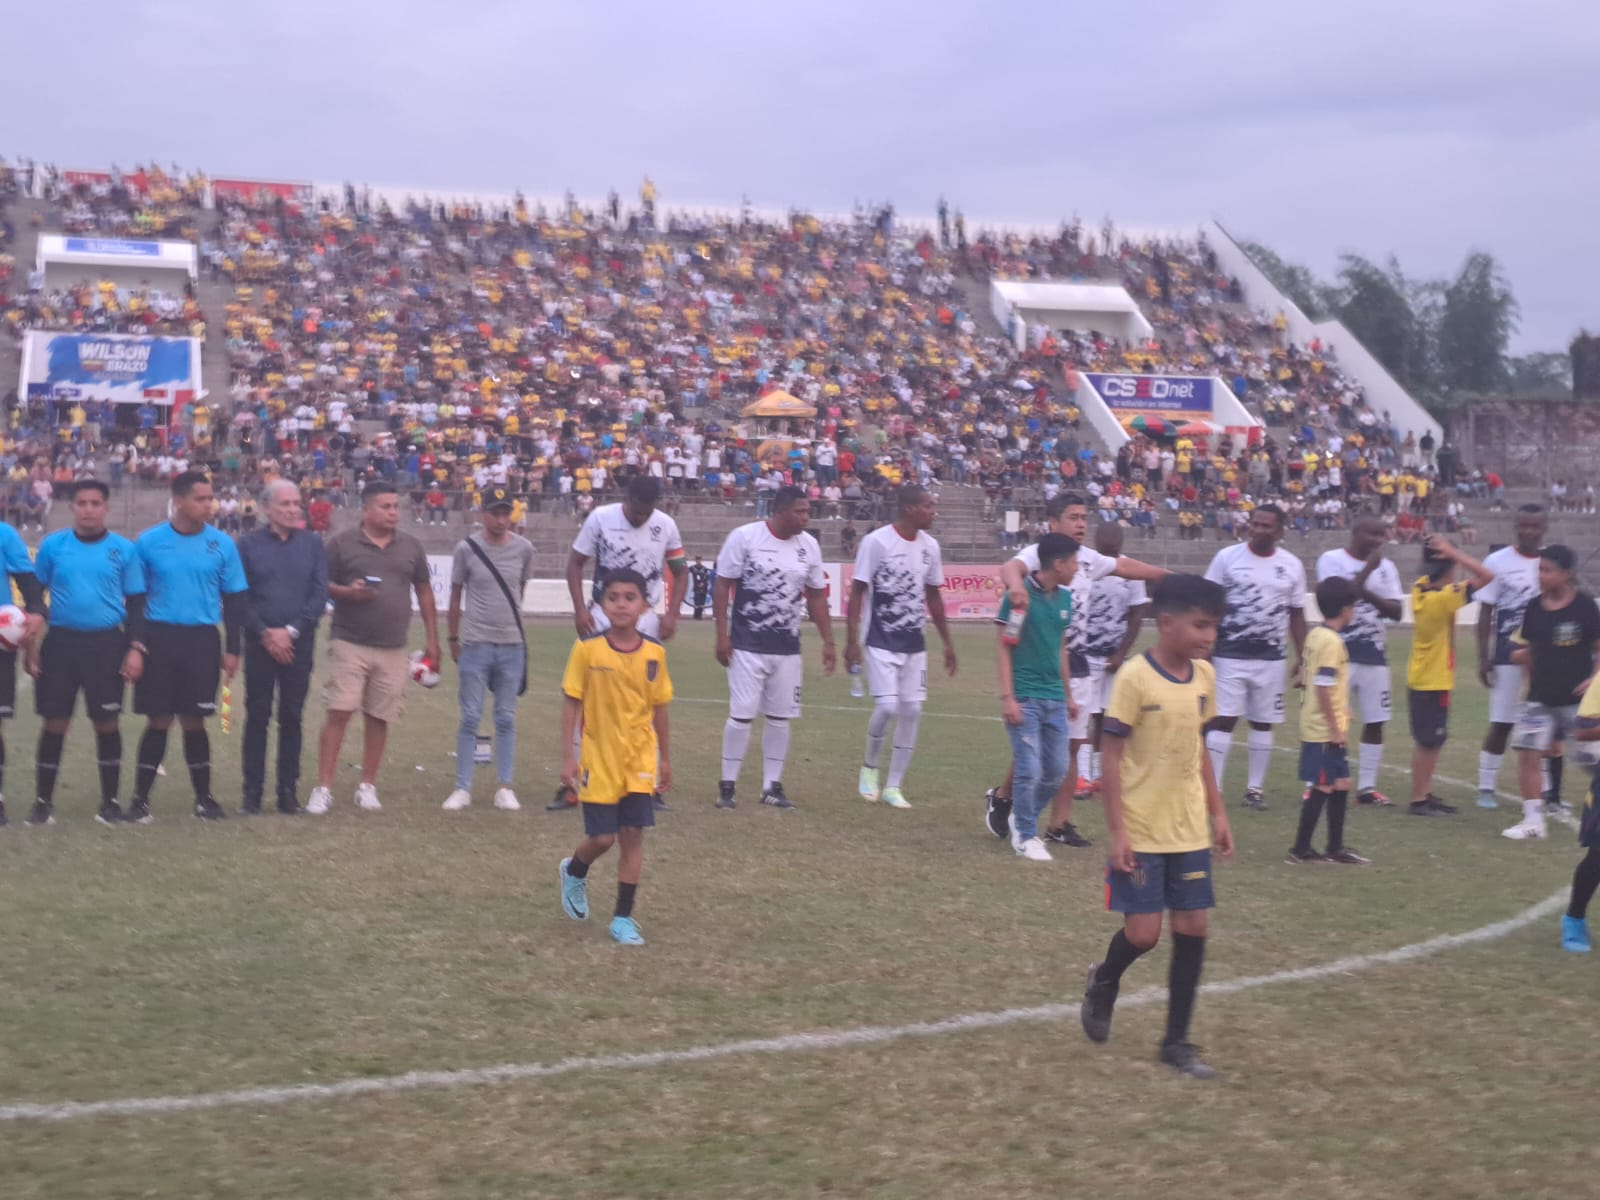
[83, 245]
[108, 366]
[1152, 393]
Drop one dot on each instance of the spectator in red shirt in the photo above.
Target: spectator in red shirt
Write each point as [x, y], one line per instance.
[436, 502]
[319, 514]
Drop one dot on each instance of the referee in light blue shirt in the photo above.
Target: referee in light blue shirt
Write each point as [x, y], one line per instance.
[96, 587]
[17, 567]
[193, 579]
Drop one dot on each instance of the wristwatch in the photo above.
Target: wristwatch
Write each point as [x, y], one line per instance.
[294, 633]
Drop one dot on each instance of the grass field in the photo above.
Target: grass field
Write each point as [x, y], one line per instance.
[185, 957]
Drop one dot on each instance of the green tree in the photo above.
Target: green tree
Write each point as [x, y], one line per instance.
[1476, 322]
[1543, 373]
[1392, 316]
[1293, 280]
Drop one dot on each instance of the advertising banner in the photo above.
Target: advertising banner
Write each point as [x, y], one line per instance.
[258, 191]
[1161, 395]
[117, 246]
[971, 593]
[116, 367]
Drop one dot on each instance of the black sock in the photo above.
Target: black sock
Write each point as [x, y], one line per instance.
[197, 753]
[152, 749]
[108, 749]
[1337, 804]
[1120, 955]
[2, 764]
[625, 893]
[48, 765]
[1557, 765]
[1310, 814]
[1188, 954]
[1584, 881]
[577, 868]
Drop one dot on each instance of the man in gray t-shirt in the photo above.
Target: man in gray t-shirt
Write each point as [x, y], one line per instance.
[486, 642]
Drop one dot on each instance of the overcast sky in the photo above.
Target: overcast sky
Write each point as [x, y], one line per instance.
[1422, 127]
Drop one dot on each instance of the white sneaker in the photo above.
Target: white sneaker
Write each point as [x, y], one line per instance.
[455, 802]
[321, 800]
[367, 797]
[1033, 850]
[1016, 838]
[506, 800]
[1524, 831]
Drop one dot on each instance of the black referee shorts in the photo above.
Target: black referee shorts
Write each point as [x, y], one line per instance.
[181, 672]
[76, 659]
[8, 683]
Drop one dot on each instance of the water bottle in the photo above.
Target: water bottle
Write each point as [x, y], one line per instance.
[1012, 634]
[857, 688]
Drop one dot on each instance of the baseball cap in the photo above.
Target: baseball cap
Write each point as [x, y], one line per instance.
[495, 497]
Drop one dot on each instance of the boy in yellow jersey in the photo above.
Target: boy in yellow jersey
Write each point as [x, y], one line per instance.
[1158, 789]
[1324, 728]
[1431, 673]
[1586, 877]
[616, 687]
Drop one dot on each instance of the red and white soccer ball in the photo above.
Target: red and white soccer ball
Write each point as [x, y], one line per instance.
[13, 624]
[422, 671]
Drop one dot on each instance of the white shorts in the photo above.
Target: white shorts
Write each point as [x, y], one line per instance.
[1369, 693]
[1541, 726]
[1505, 694]
[764, 685]
[1251, 688]
[901, 677]
[1083, 693]
[1100, 681]
[649, 621]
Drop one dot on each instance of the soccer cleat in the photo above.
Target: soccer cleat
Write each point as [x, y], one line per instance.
[1033, 850]
[1556, 808]
[867, 784]
[1300, 858]
[574, 894]
[1184, 1057]
[1524, 831]
[565, 798]
[1347, 857]
[1374, 797]
[996, 813]
[1254, 800]
[367, 797]
[110, 813]
[1421, 808]
[1486, 798]
[44, 813]
[725, 798]
[658, 803]
[250, 807]
[506, 800]
[290, 807]
[625, 932]
[1439, 806]
[139, 812]
[320, 801]
[1099, 1001]
[457, 800]
[1083, 789]
[1066, 834]
[772, 796]
[1575, 935]
[895, 798]
[209, 810]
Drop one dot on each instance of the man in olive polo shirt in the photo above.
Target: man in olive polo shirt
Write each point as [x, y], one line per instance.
[373, 571]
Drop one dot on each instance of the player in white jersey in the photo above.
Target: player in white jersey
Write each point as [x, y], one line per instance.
[634, 536]
[1378, 599]
[1069, 514]
[1266, 590]
[1500, 609]
[1111, 624]
[769, 577]
[899, 566]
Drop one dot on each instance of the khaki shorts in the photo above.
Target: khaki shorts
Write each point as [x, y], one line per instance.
[368, 678]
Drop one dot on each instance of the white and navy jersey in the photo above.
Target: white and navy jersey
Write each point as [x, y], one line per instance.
[771, 576]
[1364, 637]
[1105, 621]
[1260, 592]
[1515, 583]
[613, 543]
[1092, 567]
[899, 571]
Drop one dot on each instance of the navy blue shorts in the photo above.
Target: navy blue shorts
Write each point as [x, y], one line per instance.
[1181, 882]
[633, 811]
[1322, 764]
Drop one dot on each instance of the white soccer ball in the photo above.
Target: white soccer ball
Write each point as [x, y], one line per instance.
[13, 624]
[422, 670]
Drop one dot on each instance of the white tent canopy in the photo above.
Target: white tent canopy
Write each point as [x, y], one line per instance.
[1106, 309]
[121, 256]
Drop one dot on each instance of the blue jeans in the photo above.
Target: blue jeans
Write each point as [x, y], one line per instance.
[488, 667]
[1038, 761]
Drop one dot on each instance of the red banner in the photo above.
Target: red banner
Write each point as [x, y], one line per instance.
[262, 191]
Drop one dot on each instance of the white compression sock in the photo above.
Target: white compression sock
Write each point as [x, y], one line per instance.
[1085, 761]
[1533, 812]
[774, 750]
[1488, 770]
[1217, 745]
[905, 743]
[877, 728]
[1370, 757]
[1094, 765]
[735, 742]
[1260, 742]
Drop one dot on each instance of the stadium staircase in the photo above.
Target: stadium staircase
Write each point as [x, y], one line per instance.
[23, 213]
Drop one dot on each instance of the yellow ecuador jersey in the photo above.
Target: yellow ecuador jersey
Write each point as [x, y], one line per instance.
[1433, 635]
[620, 691]
[1327, 665]
[1159, 719]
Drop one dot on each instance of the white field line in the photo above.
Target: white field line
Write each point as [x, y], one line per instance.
[793, 1043]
